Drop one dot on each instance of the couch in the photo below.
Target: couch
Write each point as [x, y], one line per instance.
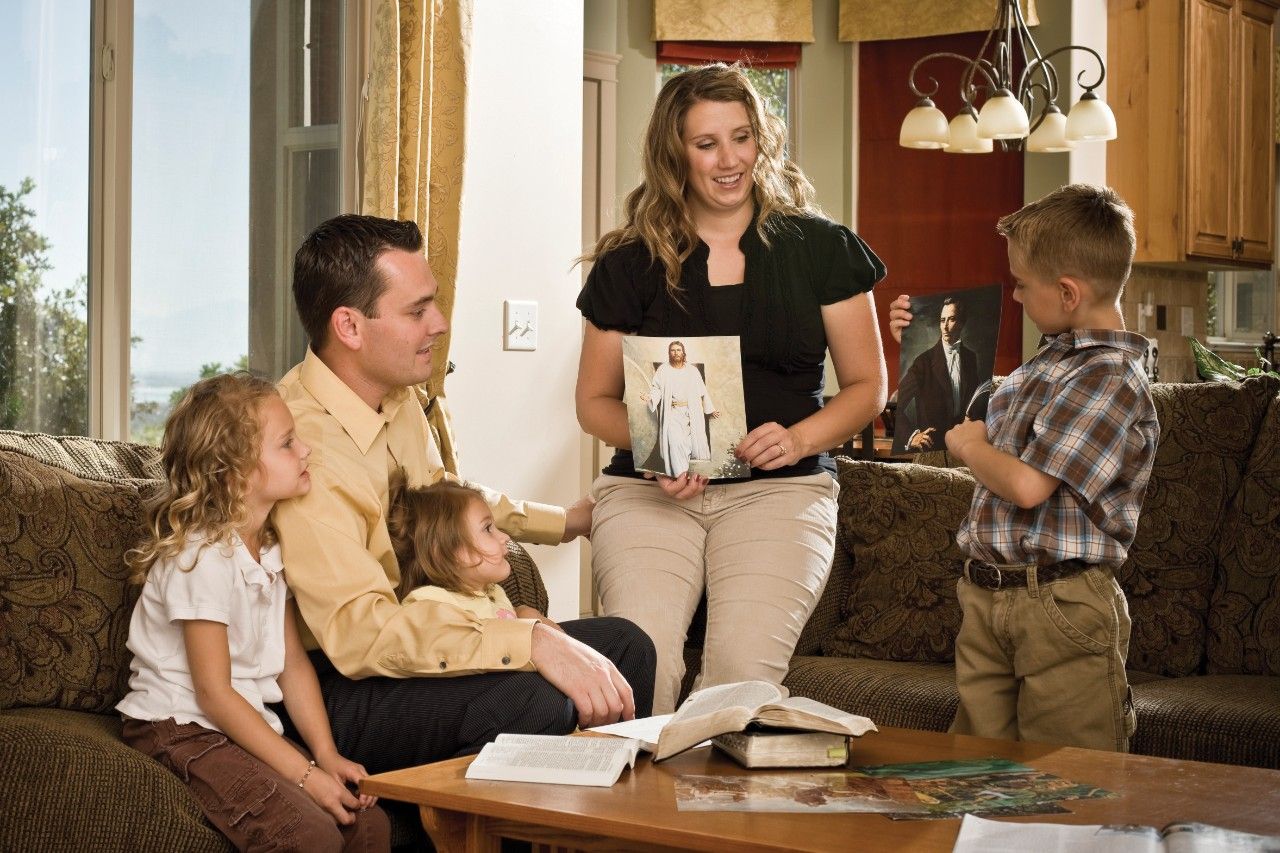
[1202, 580]
[69, 509]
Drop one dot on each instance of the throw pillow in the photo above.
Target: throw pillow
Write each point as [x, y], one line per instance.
[1244, 619]
[1206, 431]
[65, 599]
[900, 522]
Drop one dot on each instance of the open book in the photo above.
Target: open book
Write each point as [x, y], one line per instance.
[733, 707]
[562, 760]
[978, 835]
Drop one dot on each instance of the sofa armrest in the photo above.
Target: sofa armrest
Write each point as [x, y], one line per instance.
[524, 585]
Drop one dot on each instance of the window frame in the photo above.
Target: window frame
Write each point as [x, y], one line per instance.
[110, 200]
[1225, 335]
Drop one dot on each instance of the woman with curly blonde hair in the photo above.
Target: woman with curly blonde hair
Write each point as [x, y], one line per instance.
[215, 640]
[722, 237]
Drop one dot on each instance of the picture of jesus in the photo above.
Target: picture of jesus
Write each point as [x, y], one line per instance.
[678, 396]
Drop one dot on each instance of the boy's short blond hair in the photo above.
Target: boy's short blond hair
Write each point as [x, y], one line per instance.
[1078, 230]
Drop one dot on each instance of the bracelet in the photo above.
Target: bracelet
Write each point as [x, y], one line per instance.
[311, 765]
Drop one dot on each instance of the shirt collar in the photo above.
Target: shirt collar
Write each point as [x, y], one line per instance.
[1077, 339]
[354, 415]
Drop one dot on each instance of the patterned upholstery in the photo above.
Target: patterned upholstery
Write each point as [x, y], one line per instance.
[1244, 619]
[900, 521]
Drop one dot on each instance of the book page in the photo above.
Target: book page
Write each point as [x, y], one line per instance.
[644, 729]
[558, 759]
[800, 713]
[714, 711]
[979, 835]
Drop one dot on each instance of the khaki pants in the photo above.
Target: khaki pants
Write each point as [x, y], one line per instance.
[1046, 662]
[760, 549]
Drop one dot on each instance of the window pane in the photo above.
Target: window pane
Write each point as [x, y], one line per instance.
[235, 158]
[1253, 307]
[773, 84]
[44, 204]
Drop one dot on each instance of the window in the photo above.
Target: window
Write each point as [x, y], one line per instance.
[1242, 306]
[771, 67]
[44, 204]
[773, 84]
[218, 139]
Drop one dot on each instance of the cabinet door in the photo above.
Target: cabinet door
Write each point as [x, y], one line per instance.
[1210, 133]
[1255, 160]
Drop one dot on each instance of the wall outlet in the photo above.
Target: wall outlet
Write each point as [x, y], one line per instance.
[519, 325]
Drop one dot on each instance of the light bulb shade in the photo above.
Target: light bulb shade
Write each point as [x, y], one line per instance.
[1002, 117]
[1051, 135]
[1091, 119]
[964, 135]
[924, 127]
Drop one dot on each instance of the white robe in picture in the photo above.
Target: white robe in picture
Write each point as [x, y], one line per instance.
[680, 398]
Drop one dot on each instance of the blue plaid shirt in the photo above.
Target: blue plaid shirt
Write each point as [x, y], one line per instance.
[1079, 410]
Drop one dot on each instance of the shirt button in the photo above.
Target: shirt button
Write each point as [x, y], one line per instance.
[506, 660]
[444, 665]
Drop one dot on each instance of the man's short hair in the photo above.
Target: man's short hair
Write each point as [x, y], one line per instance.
[335, 267]
[1078, 230]
[961, 314]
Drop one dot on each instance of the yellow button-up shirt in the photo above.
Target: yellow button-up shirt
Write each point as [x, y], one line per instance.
[337, 552]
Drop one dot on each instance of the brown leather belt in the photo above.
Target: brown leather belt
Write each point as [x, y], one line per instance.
[994, 578]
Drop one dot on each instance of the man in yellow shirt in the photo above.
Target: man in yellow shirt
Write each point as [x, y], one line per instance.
[407, 683]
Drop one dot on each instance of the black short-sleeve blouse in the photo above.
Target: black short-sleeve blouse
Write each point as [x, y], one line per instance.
[809, 262]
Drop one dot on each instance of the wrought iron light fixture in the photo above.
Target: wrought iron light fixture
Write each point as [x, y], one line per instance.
[1006, 114]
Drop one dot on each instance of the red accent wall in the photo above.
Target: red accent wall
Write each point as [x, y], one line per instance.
[929, 215]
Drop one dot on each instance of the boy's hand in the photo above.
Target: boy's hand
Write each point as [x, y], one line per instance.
[962, 437]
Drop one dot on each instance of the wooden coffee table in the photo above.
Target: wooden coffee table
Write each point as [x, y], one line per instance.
[639, 813]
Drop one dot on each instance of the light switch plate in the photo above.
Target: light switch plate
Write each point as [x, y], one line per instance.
[1188, 321]
[519, 325]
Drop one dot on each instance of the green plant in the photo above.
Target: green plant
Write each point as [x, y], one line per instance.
[1214, 367]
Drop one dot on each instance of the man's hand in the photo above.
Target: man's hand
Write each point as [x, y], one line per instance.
[922, 439]
[963, 436]
[899, 316]
[588, 678]
[577, 519]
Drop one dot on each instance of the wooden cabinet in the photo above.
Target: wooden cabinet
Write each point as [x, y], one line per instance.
[1190, 82]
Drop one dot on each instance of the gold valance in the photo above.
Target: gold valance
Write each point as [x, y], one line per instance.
[880, 20]
[741, 20]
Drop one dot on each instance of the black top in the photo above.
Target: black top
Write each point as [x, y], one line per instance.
[776, 311]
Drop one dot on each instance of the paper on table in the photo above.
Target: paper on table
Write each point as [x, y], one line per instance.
[643, 729]
[978, 835]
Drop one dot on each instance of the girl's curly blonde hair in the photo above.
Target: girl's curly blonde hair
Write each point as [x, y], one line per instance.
[211, 446]
[428, 534]
[656, 211]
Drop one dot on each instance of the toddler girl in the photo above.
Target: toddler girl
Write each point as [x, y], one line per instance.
[214, 638]
[449, 549]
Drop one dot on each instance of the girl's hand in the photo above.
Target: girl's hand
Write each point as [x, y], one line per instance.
[331, 795]
[524, 611]
[681, 488]
[347, 772]
[771, 446]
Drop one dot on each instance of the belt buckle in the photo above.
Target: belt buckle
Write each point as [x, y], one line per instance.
[999, 576]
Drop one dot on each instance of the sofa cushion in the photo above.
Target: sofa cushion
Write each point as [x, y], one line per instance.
[1231, 719]
[65, 600]
[72, 785]
[900, 522]
[909, 695]
[1244, 619]
[1206, 431]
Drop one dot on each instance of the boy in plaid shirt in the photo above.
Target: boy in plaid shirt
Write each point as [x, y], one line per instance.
[1062, 462]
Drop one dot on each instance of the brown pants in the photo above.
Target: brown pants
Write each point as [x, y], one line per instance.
[251, 804]
[1046, 662]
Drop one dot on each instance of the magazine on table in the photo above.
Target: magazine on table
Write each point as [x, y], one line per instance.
[978, 835]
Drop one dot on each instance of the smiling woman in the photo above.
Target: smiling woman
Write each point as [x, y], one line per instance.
[723, 238]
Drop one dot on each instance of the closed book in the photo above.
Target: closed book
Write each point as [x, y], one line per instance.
[766, 748]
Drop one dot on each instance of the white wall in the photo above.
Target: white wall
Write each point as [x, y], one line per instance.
[521, 228]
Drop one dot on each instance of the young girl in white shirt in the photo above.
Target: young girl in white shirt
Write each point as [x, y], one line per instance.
[450, 549]
[215, 639]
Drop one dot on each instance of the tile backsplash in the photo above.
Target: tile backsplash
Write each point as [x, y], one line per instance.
[1168, 291]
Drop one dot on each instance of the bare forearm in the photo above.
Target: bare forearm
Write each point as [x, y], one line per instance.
[1007, 476]
[238, 720]
[844, 416]
[606, 419]
[305, 704]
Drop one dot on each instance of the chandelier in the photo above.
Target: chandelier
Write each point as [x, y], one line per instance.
[1006, 114]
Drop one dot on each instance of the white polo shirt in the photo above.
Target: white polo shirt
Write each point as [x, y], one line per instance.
[225, 585]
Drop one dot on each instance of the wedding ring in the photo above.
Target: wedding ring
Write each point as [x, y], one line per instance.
[782, 449]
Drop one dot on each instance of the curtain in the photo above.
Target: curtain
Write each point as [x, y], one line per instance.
[881, 20]
[741, 20]
[412, 147]
[755, 54]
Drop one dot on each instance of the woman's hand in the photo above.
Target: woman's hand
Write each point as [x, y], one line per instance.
[899, 316]
[771, 446]
[687, 485]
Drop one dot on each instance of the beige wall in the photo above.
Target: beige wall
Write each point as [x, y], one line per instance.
[521, 220]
